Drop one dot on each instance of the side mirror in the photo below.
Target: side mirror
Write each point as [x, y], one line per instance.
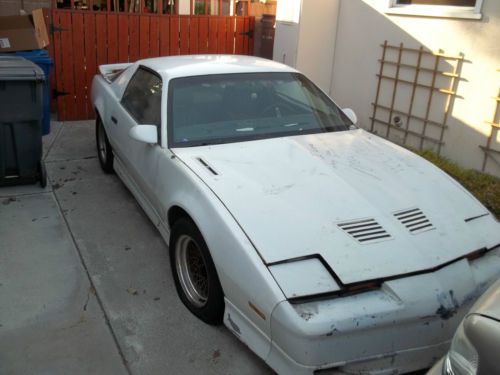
[351, 115]
[144, 133]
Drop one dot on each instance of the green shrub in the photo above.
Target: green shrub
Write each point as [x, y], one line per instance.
[483, 186]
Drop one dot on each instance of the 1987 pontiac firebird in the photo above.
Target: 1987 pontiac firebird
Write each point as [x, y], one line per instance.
[320, 245]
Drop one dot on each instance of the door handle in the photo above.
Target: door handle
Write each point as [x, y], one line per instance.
[114, 120]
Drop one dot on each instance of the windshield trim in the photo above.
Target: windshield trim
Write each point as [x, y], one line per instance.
[241, 138]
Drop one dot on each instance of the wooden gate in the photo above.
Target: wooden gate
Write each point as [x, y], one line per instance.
[81, 40]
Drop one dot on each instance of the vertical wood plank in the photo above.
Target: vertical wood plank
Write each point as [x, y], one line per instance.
[221, 34]
[58, 63]
[193, 35]
[123, 34]
[164, 35]
[78, 66]
[212, 34]
[67, 66]
[101, 39]
[90, 57]
[48, 21]
[174, 35]
[112, 38]
[246, 29]
[134, 38]
[230, 25]
[154, 36]
[144, 37]
[184, 35]
[251, 38]
[239, 43]
[203, 34]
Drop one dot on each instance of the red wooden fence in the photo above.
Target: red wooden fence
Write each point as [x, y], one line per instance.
[83, 40]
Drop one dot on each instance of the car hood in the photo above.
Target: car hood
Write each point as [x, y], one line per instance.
[311, 194]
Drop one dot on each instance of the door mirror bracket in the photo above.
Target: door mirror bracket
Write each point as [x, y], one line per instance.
[144, 133]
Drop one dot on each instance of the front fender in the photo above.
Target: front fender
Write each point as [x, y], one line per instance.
[250, 290]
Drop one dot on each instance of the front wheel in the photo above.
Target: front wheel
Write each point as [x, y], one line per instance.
[194, 273]
[104, 150]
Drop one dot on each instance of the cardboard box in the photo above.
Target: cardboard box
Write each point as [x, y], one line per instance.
[21, 33]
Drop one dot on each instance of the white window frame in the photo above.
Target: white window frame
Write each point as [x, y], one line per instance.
[443, 11]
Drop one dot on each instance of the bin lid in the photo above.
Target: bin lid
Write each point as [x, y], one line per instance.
[16, 68]
[38, 56]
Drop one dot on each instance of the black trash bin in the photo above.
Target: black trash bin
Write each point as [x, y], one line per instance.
[21, 114]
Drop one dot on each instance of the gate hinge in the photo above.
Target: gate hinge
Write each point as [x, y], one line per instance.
[248, 33]
[56, 93]
[55, 29]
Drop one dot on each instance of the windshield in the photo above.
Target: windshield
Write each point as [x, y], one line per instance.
[224, 108]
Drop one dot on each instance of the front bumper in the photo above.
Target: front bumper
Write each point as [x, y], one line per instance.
[404, 326]
[437, 369]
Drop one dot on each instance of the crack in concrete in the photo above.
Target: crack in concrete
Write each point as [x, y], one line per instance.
[92, 286]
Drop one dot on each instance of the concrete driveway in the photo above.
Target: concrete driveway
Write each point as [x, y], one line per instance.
[85, 281]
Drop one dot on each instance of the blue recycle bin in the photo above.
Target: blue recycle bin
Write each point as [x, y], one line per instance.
[42, 59]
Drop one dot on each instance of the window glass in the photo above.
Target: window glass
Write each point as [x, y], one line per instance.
[464, 3]
[142, 98]
[237, 107]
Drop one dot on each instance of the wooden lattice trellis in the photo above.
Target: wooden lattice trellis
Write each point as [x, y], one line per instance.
[489, 151]
[406, 118]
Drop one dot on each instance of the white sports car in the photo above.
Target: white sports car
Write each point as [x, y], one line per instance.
[324, 248]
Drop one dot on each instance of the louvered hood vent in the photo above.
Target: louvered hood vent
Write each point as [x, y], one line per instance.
[415, 220]
[365, 231]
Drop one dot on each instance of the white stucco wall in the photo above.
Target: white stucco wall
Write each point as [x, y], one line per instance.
[308, 44]
[318, 28]
[286, 39]
[357, 28]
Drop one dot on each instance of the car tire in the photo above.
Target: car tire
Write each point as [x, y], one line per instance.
[194, 273]
[104, 150]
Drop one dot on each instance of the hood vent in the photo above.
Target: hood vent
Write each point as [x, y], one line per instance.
[206, 165]
[365, 231]
[414, 220]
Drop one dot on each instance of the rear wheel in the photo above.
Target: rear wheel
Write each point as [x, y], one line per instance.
[194, 273]
[104, 150]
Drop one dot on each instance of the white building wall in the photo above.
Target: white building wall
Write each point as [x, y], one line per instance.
[352, 33]
[307, 44]
[286, 38]
[318, 28]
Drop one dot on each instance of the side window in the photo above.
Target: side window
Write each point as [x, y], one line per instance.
[142, 98]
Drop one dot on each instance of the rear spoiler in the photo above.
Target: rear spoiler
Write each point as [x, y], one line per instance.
[110, 71]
